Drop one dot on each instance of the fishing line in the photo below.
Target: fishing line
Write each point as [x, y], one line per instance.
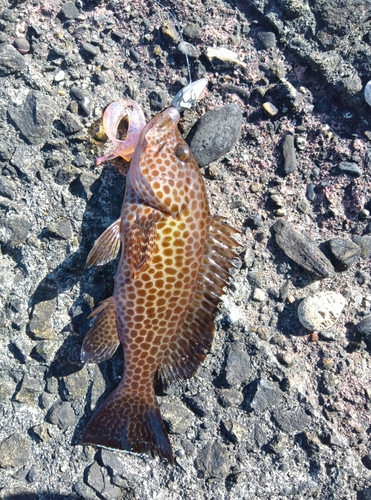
[179, 29]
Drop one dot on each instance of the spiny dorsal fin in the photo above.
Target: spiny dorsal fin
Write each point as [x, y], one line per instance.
[101, 341]
[141, 242]
[106, 247]
[195, 334]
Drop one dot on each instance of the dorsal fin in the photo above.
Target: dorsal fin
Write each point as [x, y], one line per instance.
[195, 334]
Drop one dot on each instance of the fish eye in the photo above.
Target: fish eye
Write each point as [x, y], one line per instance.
[182, 152]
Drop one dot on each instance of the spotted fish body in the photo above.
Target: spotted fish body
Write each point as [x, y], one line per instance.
[174, 262]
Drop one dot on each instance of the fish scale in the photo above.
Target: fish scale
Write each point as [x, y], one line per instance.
[174, 262]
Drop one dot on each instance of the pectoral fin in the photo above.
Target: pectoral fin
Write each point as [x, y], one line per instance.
[142, 238]
[106, 247]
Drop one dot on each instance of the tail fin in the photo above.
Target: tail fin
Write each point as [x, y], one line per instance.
[127, 422]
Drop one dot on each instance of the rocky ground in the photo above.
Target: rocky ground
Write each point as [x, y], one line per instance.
[278, 409]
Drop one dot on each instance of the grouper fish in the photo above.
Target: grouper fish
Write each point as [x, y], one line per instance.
[175, 260]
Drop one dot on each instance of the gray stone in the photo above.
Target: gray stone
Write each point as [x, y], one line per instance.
[61, 228]
[69, 10]
[310, 192]
[302, 249]
[29, 390]
[189, 49]
[7, 188]
[14, 231]
[267, 39]
[45, 350]
[344, 253]
[40, 325]
[329, 383]
[213, 461]
[11, 60]
[238, 365]
[209, 140]
[62, 415]
[14, 451]
[84, 491]
[157, 100]
[34, 119]
[22, 44]
[289, 155]
[364, 242]
[350, 168]
[95, 478]
[112, 462]
[90, 50]
[71, 123]
[44, 431]
[177, 416]
[364, 328]
[262, 395]
[291, 421]
[75, 385]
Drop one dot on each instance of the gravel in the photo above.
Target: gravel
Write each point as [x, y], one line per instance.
[276, 410]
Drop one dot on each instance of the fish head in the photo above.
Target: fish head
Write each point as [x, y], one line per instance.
[163, 169]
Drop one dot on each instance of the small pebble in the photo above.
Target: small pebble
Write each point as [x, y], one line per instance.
[350, 168]
[310, 192]
[367, 93]
[90, 49]
[169, 30]
[22, 45]
[259, 295]
[189, 49]
[321, 311]
[58, 77]
[255, 187]
[288, 149]
[270, 108]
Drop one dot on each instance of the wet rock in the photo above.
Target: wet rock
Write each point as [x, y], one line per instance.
[364, 328]
[71, 123]
[22, 44]
[29, 390]
[289, 155]
[350, 168]
[321, 311]
[344, 253]
[238, 365]
[14, 451]
[14, 231]
[11, 60]
[215, 134]
[69, 11]
[61, 228]
[177, 416]
[291, 421]
[40, 325]
[62, 415]
[35, 118]
[302, 250]
[261, 395]
[213, 461]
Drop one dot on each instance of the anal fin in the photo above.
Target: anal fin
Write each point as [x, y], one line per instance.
[196, 333]
[106, 247]
[101, 342]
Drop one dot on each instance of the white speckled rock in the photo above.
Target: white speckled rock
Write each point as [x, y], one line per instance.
[320, 311]
[368, 93]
